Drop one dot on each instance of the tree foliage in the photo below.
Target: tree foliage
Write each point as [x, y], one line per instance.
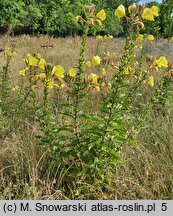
[57, 17]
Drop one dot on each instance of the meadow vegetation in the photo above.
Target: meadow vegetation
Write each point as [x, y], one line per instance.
[85, 117]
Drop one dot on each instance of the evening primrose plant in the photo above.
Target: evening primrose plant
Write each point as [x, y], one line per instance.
[98, 108]
[87, 143]
[5, 78]
[70, 139]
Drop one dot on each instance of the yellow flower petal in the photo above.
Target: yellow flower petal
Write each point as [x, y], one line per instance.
[42, 63]
[126, 71]
[150, 37]
[155, 10]
[72, 72]
[162, 62]
[22, 72]
[42, 75]
[101, 15]
[148, 14]
[140, 38]
[93, 78]
[120, 11]
[16, 88]
[33, 88]
[96, 60]
[58, 71]
[31, 60]
[38, 56]
[35, 78]
[11, 54]
[99, 37]
[88, 64]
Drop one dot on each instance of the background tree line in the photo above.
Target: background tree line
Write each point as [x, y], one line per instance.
[57, 17]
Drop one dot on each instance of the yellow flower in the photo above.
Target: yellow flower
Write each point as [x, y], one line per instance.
[132, 8]
[58, 71]
[140, 38]
[50, 83]
[42, 75]
[148, 14]
[150, 37]
[96, 60]
[162, 62]
[111, 37]
[38, 56]
[88, 64]
[31, 60]
[72, 72]
[16, 88]
[151, 81]
[22, 72]
[126, 71]
[99, 37]
[42, 63]
[120, 11]
[93, 78]
[129, 70]
[36, 77]
[107, 53]
[101, 15]
[33, 88]
[155, 10]
[11, 54]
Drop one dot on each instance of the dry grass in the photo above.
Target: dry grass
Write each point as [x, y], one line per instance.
[27, 173]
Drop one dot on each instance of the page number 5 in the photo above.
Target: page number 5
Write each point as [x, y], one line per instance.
[164, 207]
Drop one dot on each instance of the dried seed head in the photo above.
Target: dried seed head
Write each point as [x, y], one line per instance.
[89, 10]
[48, 68]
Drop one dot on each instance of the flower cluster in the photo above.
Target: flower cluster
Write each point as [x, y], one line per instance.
[51, 76]
[91, 17]
[137, 13]
[10, 53]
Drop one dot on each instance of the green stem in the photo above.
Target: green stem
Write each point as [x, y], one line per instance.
[78, 88]
[45, 104]
[5, 83]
